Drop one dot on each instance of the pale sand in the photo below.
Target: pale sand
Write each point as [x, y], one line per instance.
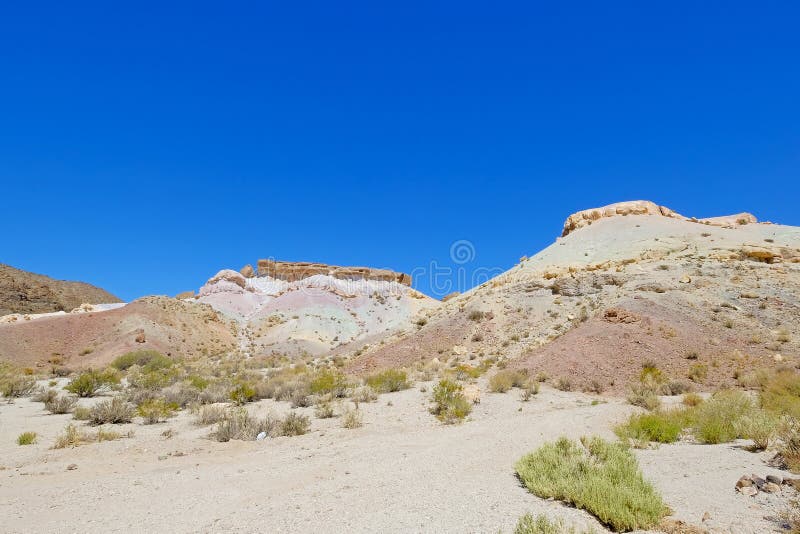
[402, 472]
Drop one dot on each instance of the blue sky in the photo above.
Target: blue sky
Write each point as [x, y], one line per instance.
[143, 147]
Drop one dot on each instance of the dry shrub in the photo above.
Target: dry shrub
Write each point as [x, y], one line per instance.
[352, 418]
[563, 383]
[324, 410]
[363, 394]
[236, 423]
[61, 404]
[210, 414]
[111, 411]
[388, 381]
[506, 379]
[156, 410]
[294, 424]
[449, 403]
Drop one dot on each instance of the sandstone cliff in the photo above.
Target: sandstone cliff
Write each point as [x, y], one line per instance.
[293, 271]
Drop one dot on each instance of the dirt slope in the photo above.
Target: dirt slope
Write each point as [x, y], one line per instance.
[24, 292]
[723, 297]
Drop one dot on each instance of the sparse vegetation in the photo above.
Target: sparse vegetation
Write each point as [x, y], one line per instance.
[111, 411]
[90, 383]
[388, 381]
[294, 424]
[716, 419]
[352, 418]
[156, 410]
[330, 382]
[563, 383]
[147, 360]
[237, 424]
[81, 413]
[506, 379]
[600, 477]
[528, 524]
[17, 385]
[323, 410]
[659, 426]
[60, 404]
[26, 438]
[449, 404]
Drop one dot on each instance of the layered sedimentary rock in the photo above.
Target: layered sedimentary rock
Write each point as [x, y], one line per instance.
[293, 271]
[645, 207]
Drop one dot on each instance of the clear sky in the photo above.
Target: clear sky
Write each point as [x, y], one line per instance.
[144, 147]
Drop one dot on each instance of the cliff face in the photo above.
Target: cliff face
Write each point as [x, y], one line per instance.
[290, 271]
[24, 292]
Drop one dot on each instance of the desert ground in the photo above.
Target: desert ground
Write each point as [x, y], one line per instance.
[402, 471]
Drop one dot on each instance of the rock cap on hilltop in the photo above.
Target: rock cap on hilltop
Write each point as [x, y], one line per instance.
[290, 271]
[646, 207]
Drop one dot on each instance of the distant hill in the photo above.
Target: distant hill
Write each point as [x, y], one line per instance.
[24, 292]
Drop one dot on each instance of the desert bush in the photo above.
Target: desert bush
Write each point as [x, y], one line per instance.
[44, 395]
[788, 432]
[219, 391]
[61, 404]
[81, 413]
[530, 389]
[692, 399]
[210, 414]
[643, 396]
[324, 410]
[17, 385]
[236, 423]
[148, 360]
[563, 383]
[156, 410]
[780, 393]
[182, 394]
[759, 426]
[600, 477]
[716, 418]
[105, 435]
[26, 438]
[506, 379]
[388, 381]
[659, 426]
[594, 386]
[352, 418]
[145, 378]
[677, 387]
[363, 394]
[111, 411]
[242, 394]
[71, 437]
[697, 372]
[90, 383]
[475, 315]
[329, 381]
[449, 403]
[294, 424]
[527, 524]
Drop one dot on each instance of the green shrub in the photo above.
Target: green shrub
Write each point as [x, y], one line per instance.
[388, 381]
[780, 393]
[716, 418]
[329, 381]
[90, 383]
[148, 360]
[759, 426]
[659, 426]
[143, 378]
[449, 404]
[61, 404]
[540, 524]
[156, 410]
[242, 394]
[600, 477]
[111, 411]
[294, 424]
[26, 438]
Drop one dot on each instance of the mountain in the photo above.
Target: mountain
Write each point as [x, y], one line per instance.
[24, 292]
[286, 309]
[625, 285]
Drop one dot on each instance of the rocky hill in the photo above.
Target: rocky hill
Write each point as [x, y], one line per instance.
[24, 292]
[631, 283]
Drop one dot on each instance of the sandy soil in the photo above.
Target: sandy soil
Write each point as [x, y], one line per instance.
[401, 472]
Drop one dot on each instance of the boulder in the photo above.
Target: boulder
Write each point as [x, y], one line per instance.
[247, 271]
